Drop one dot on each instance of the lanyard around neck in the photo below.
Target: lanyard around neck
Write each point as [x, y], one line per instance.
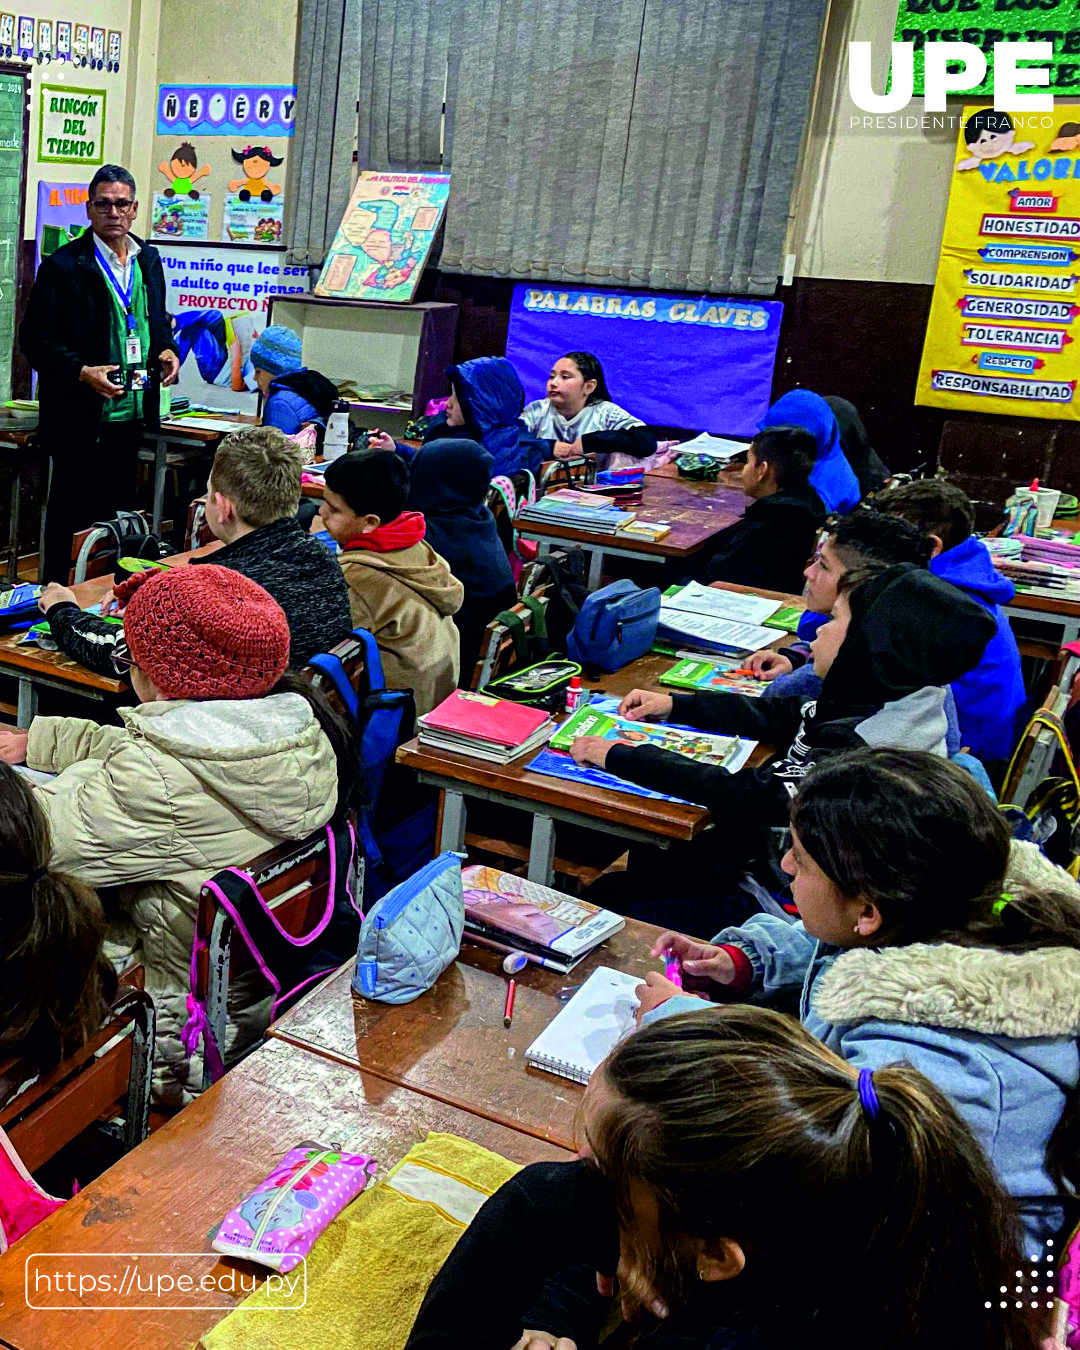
[123, 294]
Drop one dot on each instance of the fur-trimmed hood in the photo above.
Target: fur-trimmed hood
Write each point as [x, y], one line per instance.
[1016, 994]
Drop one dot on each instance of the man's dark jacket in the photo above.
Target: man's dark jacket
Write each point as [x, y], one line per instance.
[67, 326]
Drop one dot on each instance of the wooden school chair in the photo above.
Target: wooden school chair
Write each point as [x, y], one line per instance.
[110, 1073]
[301, 885]
[556, 473]
[93, 550]
[1034, 756]
[499, 652]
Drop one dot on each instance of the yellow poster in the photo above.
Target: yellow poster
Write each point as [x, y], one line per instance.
[1005, 318]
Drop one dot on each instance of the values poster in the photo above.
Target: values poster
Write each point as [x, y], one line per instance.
[385, 236]
[175, 217]
[1003, 323]
[709, 360]
[217, 299]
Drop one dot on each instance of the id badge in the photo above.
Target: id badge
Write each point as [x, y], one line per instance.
[132, 352]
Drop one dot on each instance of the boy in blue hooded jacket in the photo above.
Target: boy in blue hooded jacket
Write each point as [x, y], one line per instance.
[990, 698]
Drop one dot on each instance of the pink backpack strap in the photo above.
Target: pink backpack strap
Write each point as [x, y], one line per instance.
[23, 1204]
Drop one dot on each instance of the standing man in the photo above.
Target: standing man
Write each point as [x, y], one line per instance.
[97, 334]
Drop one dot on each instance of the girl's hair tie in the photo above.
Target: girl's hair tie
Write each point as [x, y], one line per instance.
[999, 905]
[868, 1097]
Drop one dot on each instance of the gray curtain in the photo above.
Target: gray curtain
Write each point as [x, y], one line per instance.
[402, 81]
[634, 142]
[319, 169]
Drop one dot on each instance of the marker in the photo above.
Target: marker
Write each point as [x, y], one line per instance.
[508, 1011]
[673, 969]
[744, 671]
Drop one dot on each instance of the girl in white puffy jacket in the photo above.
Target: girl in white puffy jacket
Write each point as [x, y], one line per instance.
[222, 760]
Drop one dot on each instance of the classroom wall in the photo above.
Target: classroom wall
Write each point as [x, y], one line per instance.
[220, 42]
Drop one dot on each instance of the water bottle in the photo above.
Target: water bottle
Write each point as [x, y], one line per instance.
[336, 440]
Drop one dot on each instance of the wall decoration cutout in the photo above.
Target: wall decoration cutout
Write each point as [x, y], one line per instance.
[44, 40]
[256, 161]
[26, 37]
[7, 34]
[180, 217]
[63, 40]
[385, 236]
[113, 61]
[81, 44]
[183, 171]
[250, 110]
[61, 215]
[97, 48]
[71, 125]
[252, 222]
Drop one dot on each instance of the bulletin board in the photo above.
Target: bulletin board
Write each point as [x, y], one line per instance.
[1002, 336]
[14, 148]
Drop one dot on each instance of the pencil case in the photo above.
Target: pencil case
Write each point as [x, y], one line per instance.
[543, 684]
[277, 1224]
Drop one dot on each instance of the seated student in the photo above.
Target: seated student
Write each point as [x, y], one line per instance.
[55, 983]
[293, 395]
[832, 477]
[865, 462]
[926, 936]
[895, 638]
[756, 1191]
[251, 507]
[449, 481]
[400, 589]
[578, 416]
[222, 759]
[486, 399]
[990, 699]
[770, 545]
[857, 540]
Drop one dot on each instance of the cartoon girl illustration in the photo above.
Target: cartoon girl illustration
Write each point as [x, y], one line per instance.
[256, 161]
[183, 172]
[1068, 137]
[396, 261]
[988, 134]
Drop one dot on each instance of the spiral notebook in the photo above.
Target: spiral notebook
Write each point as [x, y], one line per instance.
[589, 1027]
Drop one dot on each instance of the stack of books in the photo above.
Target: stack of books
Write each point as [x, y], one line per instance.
[1048, 567]
[510, 914]
[576, 507]
[484, 727]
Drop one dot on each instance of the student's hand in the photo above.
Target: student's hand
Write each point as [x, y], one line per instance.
[170, 367]
[592, 750]
[544, 1340]
[110, 605]
[97, 377]
[380, 440]
[13, 745]
[768, 665]
[643, 705]
[569, 449]
[703, 959]
[54, 594]
[657, 989]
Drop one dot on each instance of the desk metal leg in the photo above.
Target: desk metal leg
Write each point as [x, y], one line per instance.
[596, 568]
[452, 838]
[161, 447]
[13, 525]
[542, 851]
[28, 702]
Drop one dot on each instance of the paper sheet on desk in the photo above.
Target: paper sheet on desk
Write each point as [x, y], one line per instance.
[717, 446]
[720, 604]
[686, 627]
[205, 423]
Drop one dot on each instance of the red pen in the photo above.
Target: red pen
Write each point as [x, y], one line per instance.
[508, 1011]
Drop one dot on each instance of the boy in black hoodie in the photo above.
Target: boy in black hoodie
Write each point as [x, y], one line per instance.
[897, 636]
[770, 545]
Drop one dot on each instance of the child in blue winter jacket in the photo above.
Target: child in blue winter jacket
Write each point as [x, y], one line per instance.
[990, 699]
[293, 394]
[926, 936]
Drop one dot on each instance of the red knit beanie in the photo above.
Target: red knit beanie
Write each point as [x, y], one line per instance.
[206, 632]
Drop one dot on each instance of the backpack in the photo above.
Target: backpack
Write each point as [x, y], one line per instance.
[565, 574]
[617, 624]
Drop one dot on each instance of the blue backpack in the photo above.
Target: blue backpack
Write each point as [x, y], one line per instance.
[616, 625]
[395, 843]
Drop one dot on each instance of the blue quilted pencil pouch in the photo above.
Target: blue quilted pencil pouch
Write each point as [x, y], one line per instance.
[409, 938]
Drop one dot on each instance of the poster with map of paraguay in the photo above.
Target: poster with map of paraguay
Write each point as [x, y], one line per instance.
[384, 237]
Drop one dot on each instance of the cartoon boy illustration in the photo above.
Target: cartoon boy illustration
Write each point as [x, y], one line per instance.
[1068, 137]
[988, 134]
[256, 161]
[183, 172]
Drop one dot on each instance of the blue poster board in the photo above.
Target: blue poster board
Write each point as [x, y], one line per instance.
[672, 360]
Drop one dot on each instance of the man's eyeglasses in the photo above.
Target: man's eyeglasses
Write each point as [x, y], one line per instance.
[121, 657]
[103, 206]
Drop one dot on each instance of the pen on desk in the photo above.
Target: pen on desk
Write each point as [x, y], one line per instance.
[673, 969]
[508, 1011]
[745, 670]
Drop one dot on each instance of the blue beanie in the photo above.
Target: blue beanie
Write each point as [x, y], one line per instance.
[277, 350]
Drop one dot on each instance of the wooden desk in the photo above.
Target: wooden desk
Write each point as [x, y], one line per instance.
[190, 443]
[639, 820]
[695, 512]
[18, 453]
[451, 1044]
[35, 668]
[170, 1193]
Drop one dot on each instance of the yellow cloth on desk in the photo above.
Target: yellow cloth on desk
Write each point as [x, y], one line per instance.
[368, 1273]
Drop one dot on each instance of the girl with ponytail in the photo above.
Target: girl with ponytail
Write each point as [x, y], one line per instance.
[55, 983]
[927, 937]
[753, 1190]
